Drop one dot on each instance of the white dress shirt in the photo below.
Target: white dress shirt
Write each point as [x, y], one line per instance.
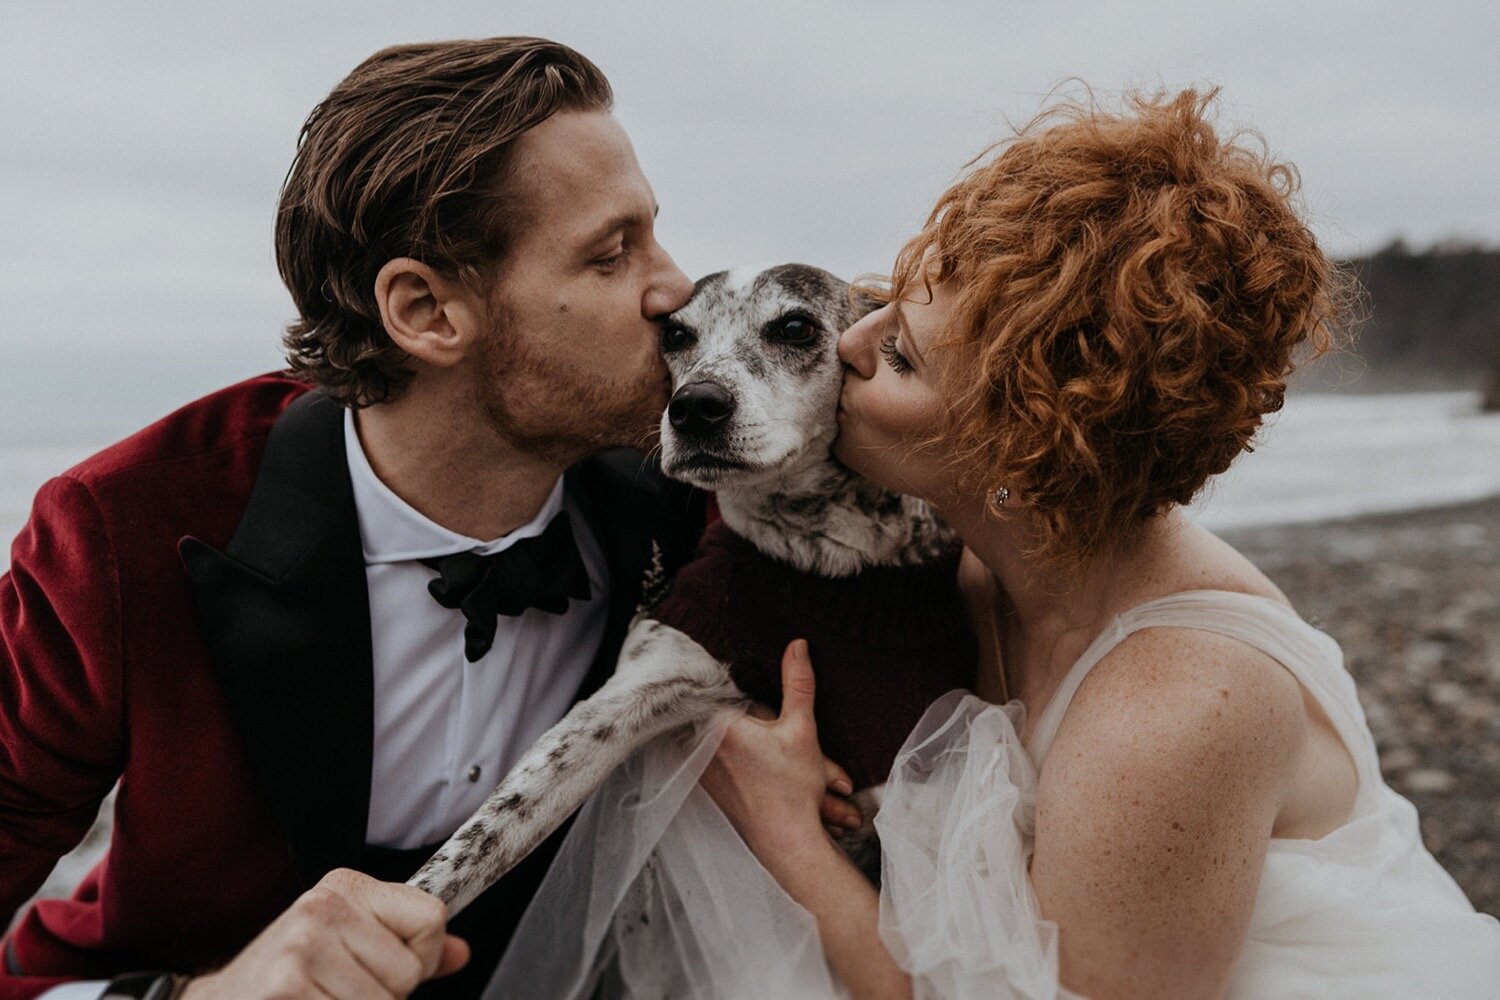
[447, 730]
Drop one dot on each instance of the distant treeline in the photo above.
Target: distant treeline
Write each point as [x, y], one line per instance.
[1432, 320]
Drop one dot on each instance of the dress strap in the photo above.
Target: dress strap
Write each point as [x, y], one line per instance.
[1051, 717]
[1312, 656]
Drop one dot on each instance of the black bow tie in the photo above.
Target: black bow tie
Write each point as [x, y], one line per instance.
[538, 572]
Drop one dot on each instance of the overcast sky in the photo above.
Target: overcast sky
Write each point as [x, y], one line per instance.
[142, 143]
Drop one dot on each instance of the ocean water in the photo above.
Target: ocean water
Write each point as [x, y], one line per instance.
[1322, 457]
[1336, 456]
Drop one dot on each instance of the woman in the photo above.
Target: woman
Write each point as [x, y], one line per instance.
[1181, 798]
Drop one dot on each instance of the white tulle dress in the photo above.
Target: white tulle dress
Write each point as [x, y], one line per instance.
[655, 895]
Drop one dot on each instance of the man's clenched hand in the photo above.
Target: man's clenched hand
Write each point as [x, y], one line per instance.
[347, 938]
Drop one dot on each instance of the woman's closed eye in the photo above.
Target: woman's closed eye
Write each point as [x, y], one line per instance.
[893, 356]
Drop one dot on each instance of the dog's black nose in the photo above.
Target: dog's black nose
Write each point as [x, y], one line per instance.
[699, 407]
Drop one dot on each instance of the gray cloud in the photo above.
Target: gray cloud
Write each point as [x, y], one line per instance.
[143, 143]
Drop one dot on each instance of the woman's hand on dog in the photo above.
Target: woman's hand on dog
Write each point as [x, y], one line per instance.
[770, 777]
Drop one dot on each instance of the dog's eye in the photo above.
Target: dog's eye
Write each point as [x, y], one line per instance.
[795, 330]
[675, 337]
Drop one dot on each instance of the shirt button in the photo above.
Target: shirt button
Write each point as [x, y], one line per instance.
[474, 773]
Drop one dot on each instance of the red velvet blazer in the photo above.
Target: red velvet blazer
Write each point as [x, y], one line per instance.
[186, 612]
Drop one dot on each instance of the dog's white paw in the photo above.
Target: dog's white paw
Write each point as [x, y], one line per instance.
[656, 648]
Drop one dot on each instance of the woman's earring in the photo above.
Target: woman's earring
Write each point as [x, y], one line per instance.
[998, 498]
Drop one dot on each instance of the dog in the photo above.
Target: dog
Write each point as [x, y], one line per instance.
[753, 413]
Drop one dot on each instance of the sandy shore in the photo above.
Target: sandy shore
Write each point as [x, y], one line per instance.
[1415, 601]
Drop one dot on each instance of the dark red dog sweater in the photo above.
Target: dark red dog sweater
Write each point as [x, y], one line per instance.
[885, 643]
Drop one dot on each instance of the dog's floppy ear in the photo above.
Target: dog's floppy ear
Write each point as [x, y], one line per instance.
[860, 304]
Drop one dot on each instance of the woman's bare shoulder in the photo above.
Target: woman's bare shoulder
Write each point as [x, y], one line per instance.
[1193, 709]
[1157, 800]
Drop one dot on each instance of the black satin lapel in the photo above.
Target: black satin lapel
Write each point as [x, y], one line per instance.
[634, 513]
[285, 614]
[622, 554]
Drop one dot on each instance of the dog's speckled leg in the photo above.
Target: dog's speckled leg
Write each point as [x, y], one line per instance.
[663, 680]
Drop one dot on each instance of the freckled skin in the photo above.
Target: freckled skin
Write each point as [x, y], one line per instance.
[1121, 828]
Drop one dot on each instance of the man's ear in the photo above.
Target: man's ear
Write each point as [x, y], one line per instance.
[432, 318]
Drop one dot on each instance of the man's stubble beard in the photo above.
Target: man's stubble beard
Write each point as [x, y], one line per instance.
[545, 409]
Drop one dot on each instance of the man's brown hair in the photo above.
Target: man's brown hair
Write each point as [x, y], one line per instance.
[407, 158]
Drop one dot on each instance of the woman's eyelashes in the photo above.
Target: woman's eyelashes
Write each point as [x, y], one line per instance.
[894, 357]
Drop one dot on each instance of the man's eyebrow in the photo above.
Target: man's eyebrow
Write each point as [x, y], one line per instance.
[618, 222]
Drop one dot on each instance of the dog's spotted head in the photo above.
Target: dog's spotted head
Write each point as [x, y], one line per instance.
[755, 373]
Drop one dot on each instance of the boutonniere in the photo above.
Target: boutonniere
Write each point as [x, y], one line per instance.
[654, 582]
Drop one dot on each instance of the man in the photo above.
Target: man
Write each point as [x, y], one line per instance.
[307, 631]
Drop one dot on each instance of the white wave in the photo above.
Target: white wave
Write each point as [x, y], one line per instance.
[1327, 456]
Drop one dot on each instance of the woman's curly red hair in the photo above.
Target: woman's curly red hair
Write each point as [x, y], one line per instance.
[1130, 293]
